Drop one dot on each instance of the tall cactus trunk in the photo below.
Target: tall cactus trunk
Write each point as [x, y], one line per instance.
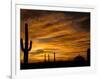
[45, 58]
[25, 48]
[54, 57]
[26, 44]
[48, 58]
[88, 56]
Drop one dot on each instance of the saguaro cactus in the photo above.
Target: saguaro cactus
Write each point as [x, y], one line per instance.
[45, 58]
[48, 57]
[88, 56]
[25, 47]
[54, 57]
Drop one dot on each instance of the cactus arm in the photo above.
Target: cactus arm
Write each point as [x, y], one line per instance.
[30, 46]
[22, 47]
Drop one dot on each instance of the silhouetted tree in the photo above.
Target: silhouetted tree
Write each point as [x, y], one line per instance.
[25, 47]
[79, 60]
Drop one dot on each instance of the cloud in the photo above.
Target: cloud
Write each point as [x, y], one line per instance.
[67, 32]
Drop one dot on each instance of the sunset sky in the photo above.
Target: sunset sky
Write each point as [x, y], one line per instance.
[65, 33]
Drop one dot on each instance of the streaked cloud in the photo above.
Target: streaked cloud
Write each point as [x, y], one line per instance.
[65, 33]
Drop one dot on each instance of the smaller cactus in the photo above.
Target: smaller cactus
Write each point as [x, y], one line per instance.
[54, 57]
[88, 56]
[45, 58]
[48, 57]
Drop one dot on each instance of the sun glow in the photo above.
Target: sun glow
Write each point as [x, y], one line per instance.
[66, 34]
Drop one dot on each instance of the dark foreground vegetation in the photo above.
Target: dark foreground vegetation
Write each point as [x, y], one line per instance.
[77, 62]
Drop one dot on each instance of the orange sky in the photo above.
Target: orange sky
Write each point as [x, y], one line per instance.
[65, 33]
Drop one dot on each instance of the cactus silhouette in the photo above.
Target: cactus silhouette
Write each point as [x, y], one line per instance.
[25, 47]
[45, 58]
[48, 57]
[88, 56]
[54, 57]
